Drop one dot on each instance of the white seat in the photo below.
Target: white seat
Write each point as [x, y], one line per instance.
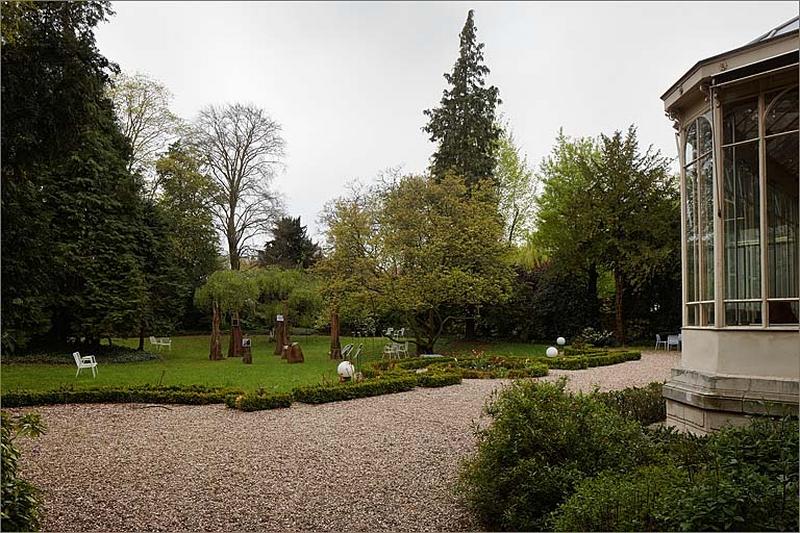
[401, 349]
[659, 342]
[87, 361]
[673, 340]
[158, 342]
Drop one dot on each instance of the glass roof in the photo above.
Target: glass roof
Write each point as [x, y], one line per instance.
[787, 27]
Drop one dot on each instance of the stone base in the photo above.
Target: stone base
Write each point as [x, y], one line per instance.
[700, 403]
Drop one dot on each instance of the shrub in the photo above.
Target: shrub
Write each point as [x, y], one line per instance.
[621, 502]
[192, 395]
[646, 404]
[740, 478]
[21, 501]
[749, 483]
[431, 380]
[104, 354]
[592, 360]
[595, 338]
[258, 401]
[541, 444]
[348, 391]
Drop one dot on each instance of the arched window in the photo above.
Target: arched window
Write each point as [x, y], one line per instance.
[699, 208]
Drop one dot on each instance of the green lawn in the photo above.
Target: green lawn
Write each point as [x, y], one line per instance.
[187, 364]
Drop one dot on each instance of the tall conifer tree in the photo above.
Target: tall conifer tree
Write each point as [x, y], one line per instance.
[464, 126]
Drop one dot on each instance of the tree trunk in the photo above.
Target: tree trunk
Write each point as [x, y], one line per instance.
[619, 326]
[141, 338]
[278, 338]
[469, 324]
[235, 344]
[215, 353]
[594, 304]
[336, 345]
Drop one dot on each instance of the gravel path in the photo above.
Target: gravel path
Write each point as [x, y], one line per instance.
[385, 463]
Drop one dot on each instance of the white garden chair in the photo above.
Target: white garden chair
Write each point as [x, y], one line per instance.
[87, 361]
[165, 341]
[401, 349]
[659, 342]
[673, 340]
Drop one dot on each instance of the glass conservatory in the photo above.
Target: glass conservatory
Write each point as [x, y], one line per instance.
[736, 116]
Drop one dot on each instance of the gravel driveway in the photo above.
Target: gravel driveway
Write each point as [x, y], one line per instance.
[384, 463]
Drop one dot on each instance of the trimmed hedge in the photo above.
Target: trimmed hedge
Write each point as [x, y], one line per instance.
[578, 362]
[191, 395]
[493, 367]
[430, 380]
[349, 391]
[258, 401]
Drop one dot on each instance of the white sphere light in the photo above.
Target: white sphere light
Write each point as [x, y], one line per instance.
[552, 351]
[561, 341]
[346, 369]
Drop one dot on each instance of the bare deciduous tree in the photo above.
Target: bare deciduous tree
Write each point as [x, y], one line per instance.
[142, 105]
[240, 146]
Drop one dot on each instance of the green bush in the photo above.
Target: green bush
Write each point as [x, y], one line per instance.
[577, 362]
[21, 501]
[740, 478]
[541, 444]
[621, 502]
[645, 404]
[492, 367]
[348, 391]
[258, 401]
[192, 395]
[431, 380]
[104, 354]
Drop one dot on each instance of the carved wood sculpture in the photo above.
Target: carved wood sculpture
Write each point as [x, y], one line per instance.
[294, 354]
[235, 344]
[336, 345]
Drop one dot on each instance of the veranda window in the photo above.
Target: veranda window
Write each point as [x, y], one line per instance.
[699, 173]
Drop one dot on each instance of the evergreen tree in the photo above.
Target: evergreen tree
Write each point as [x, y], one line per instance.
[464, 126]
[67, 195]
[290, 246]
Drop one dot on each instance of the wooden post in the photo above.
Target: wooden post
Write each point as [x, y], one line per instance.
[278, 337]
[247, 353]
[235, 344]
[336, 345]
[215, 354]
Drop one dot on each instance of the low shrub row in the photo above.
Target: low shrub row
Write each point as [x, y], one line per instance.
[584, 462]
[192, 395]
[317, 394]
[578, 362]
[104, 354]
[258, 401]
[433, 380]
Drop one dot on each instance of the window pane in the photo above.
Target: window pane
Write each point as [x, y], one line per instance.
[782, 113]
[706, 204]
[693, 319]
[743, 313]
[704, 135]
[783, 223]
[708, 314]
[741, 218]
[692, 240]
[740, 121]
[783, 312]
[690, 153]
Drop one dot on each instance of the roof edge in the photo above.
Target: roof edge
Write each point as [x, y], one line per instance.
[748, 46]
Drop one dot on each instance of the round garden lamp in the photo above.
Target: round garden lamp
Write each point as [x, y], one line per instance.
[346, 370]
[552, 351]
[561, 341]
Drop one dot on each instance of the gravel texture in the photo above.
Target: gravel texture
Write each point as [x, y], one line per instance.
[384, 463]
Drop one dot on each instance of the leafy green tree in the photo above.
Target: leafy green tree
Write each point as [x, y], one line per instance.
[607, 205]
[517, 188]
[464, 126]
[421, 248]
[290, 246]
[226, 291]
[67, 194]
[185, 201]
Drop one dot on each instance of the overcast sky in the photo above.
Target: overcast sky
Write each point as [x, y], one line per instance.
[349, 81]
